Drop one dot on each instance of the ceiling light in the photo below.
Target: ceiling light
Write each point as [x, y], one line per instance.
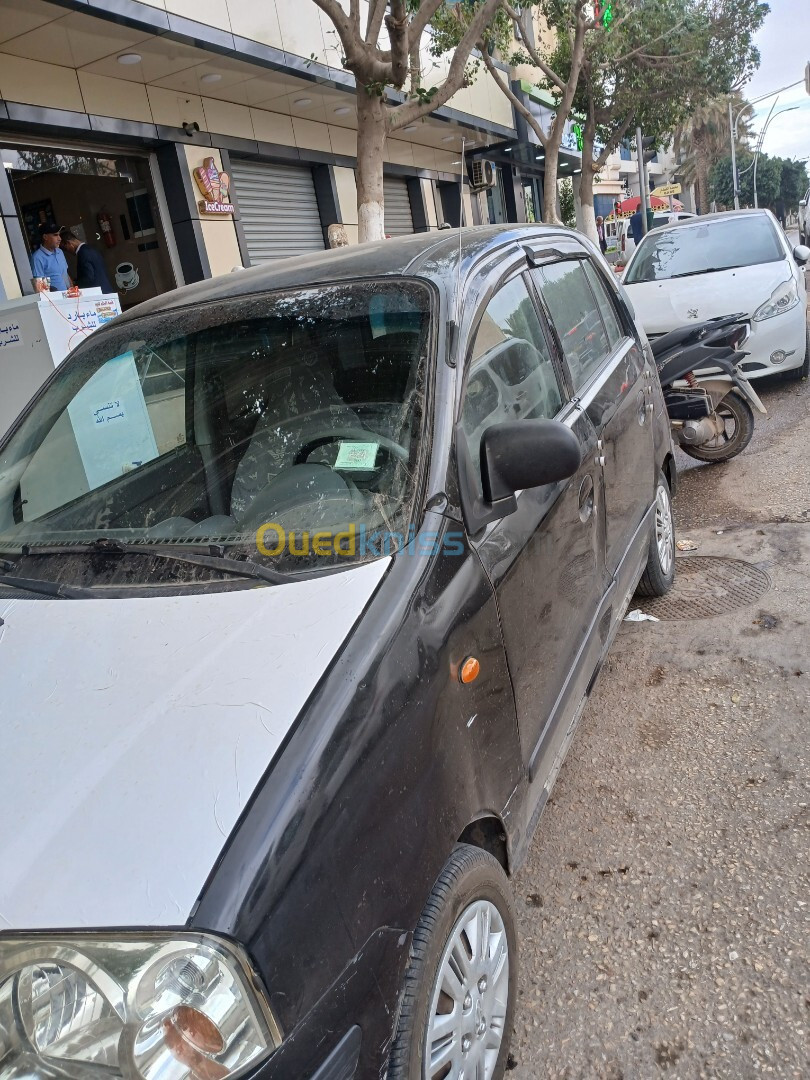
[210, 76]
[343, 110]
[302, 101]
[449, 138]
[507, 149]
[129, 58]
[410, 127]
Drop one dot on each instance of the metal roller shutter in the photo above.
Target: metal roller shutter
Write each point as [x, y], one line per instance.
[398, 217]
[278, 208]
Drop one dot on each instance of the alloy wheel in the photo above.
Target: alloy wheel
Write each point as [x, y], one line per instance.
[470, 996]
[664, 533]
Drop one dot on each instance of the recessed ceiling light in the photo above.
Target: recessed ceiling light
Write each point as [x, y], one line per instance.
[210, 76]
[449, 138]
[410, 127]
[129, 58]
[342, 110]
[302, 101]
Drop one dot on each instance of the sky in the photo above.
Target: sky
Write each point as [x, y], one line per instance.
[784, 45]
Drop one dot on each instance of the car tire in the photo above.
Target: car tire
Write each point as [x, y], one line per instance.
[471, 893]
[659, 573]
[803, 372]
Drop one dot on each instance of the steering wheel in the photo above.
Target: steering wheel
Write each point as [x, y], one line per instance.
[359, 434]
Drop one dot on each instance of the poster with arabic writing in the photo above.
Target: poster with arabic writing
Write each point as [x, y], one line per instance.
[111, 422]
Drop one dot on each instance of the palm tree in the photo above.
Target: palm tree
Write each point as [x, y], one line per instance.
[703, 140]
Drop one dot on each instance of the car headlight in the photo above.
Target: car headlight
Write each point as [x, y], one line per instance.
[139, 1007]
[783, 298]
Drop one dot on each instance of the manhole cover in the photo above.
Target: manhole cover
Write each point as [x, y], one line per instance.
[706, 586]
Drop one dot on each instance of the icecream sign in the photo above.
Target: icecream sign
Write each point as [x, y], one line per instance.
[214, 187]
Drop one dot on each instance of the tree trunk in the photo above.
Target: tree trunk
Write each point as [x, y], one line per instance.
[702, 176]
[586, 180]
[550, 215]
[371, 135]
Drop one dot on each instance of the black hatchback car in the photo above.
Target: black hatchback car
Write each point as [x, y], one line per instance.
[307, 573]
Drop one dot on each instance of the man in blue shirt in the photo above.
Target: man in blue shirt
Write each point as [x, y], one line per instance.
[49, 260]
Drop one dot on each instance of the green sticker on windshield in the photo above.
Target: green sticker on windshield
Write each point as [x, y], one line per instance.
[357, 455]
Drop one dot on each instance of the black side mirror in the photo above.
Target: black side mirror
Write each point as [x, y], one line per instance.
[520, 454]
[801, 253]
[515, 454]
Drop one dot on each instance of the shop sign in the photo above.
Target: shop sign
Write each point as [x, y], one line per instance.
[214, 187]
[666, 189]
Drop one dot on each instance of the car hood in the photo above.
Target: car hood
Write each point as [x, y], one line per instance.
[135, 731]
[662, 306]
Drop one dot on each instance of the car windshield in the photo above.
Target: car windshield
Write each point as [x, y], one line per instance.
[703, 248]
[280, 427]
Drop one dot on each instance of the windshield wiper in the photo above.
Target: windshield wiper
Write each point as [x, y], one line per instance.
[708, 270]
[107, 545]
[47, 588]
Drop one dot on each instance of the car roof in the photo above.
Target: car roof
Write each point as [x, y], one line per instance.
[708, 219]
[434, 255]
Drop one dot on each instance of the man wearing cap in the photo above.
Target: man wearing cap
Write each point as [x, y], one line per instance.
[49, 261]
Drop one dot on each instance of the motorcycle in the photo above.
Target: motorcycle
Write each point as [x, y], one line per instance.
[709, 400]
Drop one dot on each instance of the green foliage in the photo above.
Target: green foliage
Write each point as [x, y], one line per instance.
[568, 214]
[777, 178]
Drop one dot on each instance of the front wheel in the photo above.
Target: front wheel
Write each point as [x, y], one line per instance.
[737, 421]
[802, 372]
[659, 572]
[458, 1000]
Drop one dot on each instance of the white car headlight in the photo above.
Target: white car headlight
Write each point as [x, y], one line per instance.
[783, 298]
[139, 1007]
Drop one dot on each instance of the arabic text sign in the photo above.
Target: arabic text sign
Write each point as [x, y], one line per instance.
[111, 422]
[10, 336]
[666, 189]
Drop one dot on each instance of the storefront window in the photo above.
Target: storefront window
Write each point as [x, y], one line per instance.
[107, 200]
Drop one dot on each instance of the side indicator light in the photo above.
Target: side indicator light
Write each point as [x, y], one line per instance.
[470, 670]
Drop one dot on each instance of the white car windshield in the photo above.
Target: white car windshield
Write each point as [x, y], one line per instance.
[300, 412]
[704, 248]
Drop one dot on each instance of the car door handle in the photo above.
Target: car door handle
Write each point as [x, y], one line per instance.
[586, 498]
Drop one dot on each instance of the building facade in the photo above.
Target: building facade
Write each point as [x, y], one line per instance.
[183, 138]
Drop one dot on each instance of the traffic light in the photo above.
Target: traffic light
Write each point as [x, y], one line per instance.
[648, 147]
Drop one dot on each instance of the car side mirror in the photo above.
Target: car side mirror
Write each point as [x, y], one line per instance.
[802, 202]
[518, 454]
[801, 253]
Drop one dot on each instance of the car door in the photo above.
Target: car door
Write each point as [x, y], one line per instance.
[613, 384]
[544, 560]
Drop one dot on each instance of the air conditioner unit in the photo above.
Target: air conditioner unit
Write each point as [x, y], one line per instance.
[482, 174]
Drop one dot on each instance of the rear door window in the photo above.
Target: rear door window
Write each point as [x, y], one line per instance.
[605, 305]
[576, 316]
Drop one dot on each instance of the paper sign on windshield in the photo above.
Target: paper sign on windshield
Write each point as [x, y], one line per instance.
[357, 455]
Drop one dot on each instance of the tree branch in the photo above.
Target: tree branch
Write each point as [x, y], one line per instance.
[396, 23]
[407, 113]
[376, 14]
[517, 104]
[646, 45]
[427, 9]
[534, 55]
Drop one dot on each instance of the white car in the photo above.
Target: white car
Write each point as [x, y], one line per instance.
[620, 242]
[721, 264]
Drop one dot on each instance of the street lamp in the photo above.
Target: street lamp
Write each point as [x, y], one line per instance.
[733, 121]
[790, 108]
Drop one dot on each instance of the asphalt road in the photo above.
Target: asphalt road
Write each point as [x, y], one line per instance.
[665, 903]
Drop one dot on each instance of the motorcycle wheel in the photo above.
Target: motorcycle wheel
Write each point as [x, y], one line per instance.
[736, 414]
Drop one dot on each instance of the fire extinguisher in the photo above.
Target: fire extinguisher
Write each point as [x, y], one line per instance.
[105, 225]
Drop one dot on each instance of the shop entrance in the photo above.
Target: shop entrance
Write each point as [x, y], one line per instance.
[108, 200]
